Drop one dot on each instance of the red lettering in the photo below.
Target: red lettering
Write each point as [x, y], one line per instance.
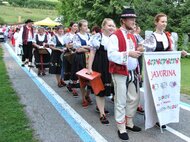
[163, 73]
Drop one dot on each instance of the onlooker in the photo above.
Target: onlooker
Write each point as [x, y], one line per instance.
[26, 36]
[17, 47]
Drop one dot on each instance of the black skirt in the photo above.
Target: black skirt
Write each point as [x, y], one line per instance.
[66, 65]
[55, 62]
[41, 60]
[78, 63]
[101, 65]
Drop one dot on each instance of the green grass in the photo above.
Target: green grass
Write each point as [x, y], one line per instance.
[185, 76]
[14, 125]
[10, 14]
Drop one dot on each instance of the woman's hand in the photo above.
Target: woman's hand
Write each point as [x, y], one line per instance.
[184, 53]
[89, 71]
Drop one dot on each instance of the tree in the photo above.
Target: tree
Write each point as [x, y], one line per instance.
[96, 10]
[92, 10]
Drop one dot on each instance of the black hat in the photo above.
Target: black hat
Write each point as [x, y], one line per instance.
[128, 13]
[28, 21]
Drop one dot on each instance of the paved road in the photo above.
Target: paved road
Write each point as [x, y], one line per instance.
[48, 108]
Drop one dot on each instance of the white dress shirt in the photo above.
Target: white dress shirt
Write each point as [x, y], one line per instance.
[121, 58]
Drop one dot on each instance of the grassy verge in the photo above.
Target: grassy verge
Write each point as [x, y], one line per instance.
[14, 125]
[10, 14]
[185, 76]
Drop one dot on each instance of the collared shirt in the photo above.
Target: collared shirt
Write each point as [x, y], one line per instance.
[121, 58]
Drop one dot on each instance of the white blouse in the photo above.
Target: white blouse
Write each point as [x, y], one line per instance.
[97, 40]
[150, 43]
[121, 58]
[77, 41]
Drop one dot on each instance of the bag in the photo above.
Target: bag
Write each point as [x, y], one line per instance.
[69, 56]
[43, 51]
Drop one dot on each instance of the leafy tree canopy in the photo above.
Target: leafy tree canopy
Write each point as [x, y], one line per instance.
[96, 10]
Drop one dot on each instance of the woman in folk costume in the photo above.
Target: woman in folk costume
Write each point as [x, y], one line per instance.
[160, 40]
[98, 61]
[26, 36]
[41, 54]
[57, 45]
[69, 44]
[123, 57]
[81, 44]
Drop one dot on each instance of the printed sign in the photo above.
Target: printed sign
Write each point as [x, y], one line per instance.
[162, 87]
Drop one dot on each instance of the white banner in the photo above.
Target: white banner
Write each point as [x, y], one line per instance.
[162, 87]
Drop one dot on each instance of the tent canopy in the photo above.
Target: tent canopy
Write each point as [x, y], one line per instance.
[47, 22]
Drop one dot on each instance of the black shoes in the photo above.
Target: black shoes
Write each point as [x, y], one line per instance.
[104, 120]
[30, 66]
[134, 129]
[23, 64]
[43, 73]
[124, 136]
[105, 111]
[69, 87]
[158, 125]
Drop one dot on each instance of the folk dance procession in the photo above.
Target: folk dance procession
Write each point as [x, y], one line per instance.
[116, 55]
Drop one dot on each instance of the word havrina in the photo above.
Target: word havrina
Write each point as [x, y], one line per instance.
[162, 73]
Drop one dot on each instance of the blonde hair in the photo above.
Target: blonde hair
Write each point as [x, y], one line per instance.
[105, 21]
[158, 16]
[81, 23]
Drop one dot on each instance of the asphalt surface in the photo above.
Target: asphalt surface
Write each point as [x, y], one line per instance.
[50, 126]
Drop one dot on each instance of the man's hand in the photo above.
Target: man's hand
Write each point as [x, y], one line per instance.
[135, 54]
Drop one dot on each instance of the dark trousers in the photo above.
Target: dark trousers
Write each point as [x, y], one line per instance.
[27, 51]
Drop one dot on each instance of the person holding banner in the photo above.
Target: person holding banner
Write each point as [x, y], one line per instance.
[123, 57]
[160, 40]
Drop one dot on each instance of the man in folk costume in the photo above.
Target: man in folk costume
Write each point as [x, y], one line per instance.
[26, 36]
[123, 54]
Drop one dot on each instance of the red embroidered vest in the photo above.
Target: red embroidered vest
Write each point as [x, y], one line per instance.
[115, 68]
[25, 34]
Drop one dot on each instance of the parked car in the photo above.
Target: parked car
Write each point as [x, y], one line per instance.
[2, 39]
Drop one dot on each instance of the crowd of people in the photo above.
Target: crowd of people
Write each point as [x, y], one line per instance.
[114, 52]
